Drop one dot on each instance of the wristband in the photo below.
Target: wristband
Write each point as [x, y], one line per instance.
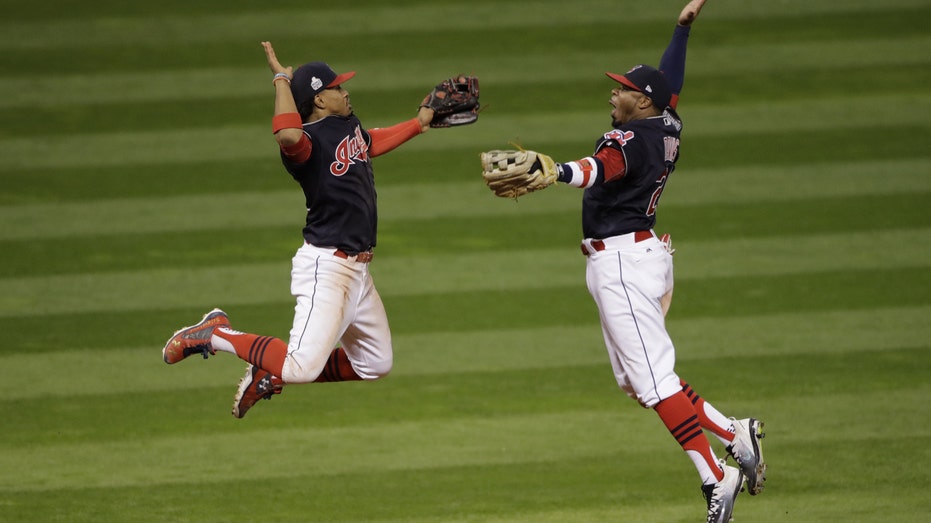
[280, 76]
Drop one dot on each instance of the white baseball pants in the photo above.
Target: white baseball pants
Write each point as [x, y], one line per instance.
[336, 304]
[628, 279]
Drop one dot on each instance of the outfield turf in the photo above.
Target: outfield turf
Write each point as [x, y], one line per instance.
[140, 187]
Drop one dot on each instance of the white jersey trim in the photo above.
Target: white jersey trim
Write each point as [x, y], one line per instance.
[584, 172]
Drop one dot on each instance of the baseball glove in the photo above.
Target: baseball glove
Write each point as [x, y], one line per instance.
[454, 101]
[514, 173]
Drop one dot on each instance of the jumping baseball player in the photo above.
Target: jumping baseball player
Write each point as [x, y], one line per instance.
[340, 330]
[629, 269]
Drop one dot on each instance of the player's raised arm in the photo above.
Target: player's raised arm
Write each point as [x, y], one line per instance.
[672, 64]
[286, 120]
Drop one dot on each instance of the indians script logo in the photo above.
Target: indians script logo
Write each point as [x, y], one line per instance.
[621, 137]
[349, 150]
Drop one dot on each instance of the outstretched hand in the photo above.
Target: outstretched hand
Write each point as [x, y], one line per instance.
[690, 12]
[273, 63]
[424, 117]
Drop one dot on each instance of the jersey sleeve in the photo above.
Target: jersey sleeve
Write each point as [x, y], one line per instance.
[385, 139]
[299, 152]
[604, 166]
[672, 64]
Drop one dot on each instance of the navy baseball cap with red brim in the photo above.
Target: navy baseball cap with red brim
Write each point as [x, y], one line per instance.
[647, 80]
[313, 77]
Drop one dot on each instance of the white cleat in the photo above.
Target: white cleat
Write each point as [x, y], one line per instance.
[722, 495]
[748, 452]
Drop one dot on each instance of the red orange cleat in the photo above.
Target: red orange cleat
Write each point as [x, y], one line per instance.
[257, 384]
[194, 339]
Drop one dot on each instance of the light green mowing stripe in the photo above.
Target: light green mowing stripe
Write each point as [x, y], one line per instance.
[815, 506]
[163, 85]
[792, 335]
[307, 451]
[312, 452]
[786, 334]
[174, 148]
[459, 197]
[401, 276]
[368, 20]
[696, 260]
[631, 509]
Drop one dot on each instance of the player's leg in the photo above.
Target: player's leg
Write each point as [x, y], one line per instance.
[319, 284]
[627, 286]
[367, 341]
[711, 419]
[741, 437]
[258, 383]
[325, 288]
[214, 333]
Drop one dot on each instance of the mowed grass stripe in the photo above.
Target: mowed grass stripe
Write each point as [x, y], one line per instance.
[455, 314]
[258, 25]
[405, 175]
[553, 488]
[751, 227]
[179, 146]
[746, 36]
[447, 274]
[829, 407]
[181, 82]
[423, 445]
[462, 196]
[599, 488]
[788, 336]
[231, 24]
[468, 310]
[427, 444]
[704, 108]
[506, 97]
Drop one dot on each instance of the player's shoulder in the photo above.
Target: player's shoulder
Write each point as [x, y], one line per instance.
[660, 125]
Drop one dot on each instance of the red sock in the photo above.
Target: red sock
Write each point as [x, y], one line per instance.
[265, 352]
[706, 422]
[338, 368]
[680, 418]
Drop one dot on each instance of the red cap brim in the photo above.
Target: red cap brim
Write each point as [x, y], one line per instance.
[340, 78]
[623, 79]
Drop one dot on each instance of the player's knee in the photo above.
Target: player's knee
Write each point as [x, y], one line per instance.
[651, 396]
[297, 375]
[376, 369]
[303, 366]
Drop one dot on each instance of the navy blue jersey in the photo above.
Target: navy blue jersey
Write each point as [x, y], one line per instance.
[338, 184]
[628, 203]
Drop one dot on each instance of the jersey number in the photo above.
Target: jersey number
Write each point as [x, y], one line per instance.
[671, 146]
[654, 200]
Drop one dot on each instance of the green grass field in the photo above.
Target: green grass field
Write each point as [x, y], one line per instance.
[140, 187]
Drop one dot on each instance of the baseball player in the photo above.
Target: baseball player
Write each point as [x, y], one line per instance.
[629, 268]
[340, 330]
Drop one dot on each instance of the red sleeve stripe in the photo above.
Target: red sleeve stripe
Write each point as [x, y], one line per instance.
[584, 172]
[385, 139]
[286, 121]
[299, 152]
[613, 163]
